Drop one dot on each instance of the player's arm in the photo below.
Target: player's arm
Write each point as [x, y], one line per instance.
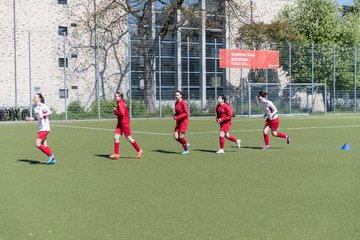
[46, 111]
[119, 111]
[274, 110]
[217, 119]
[265, 115]
[185, 112]
[116, 112]
[229, 113]
[122, 108]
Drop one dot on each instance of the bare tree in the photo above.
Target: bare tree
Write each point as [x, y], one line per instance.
[147, 20]
[111, 31]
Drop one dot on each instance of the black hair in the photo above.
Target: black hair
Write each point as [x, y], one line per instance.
[263, 94]
[183, 96]
[120, 94]
[42, 99]
[223, 97]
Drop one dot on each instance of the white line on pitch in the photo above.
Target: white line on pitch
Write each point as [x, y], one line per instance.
[107, 129]
[209, 132]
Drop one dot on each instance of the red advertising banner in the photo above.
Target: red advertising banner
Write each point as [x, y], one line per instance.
[236, 58]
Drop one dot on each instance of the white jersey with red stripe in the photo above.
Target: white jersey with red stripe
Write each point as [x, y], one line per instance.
[270, 110]
[43, 121]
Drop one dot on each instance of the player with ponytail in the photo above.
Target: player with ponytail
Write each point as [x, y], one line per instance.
[181, 117]
[223, 117]
[42, 112]
[272, 120]
[123, 127]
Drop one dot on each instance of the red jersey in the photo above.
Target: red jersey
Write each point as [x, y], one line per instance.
[181, 111]
[224, 112]
[122, 113]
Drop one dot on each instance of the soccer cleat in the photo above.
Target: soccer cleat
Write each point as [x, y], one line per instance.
[51, 160]
[220, 151]
[288, 140]
[238, 143]
[266, 147]
[114, 156]
[139, 153]
[185, 152]
[188, 145]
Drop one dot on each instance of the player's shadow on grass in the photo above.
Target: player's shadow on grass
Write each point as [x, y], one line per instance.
[31, 161]
[164, 151]
[250, 147]
[107, 156]
[210, 151]
[205, 150]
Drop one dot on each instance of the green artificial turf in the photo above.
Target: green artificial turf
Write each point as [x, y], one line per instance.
[309, 189]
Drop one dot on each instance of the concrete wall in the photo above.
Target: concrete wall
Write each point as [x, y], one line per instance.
[47, 47]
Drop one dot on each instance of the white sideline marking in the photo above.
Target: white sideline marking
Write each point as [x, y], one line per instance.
[107, 129]
[208, 132]
[89, 128]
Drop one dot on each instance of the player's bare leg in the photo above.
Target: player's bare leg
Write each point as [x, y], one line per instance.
[183, 142]
[135, 145]
[233, 139]
[222, 142]
[116, 147]
[266, 138]
[281, 135]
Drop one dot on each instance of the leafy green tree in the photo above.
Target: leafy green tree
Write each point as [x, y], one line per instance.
[316, 21]
[332, 31]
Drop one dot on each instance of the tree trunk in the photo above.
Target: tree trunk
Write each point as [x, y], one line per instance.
[150, 86]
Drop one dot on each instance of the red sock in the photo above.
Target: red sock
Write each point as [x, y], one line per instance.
[136, 146]
[45, 150]
[222, 142]
[116, 147]
[266, 139]
[231, 138]
[281, 135]
[183, 143]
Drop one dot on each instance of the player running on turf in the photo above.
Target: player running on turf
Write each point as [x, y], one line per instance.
[41, 113]
[182, 120]
[123, 127]
[271, 120]
[223, 117]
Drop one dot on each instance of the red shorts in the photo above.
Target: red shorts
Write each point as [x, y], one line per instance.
[273, 124]
[225, 127]
[123, 129]
[42, 135]
[181, 127]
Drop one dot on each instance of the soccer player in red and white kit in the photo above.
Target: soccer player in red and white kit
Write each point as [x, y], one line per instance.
[182, 120]
[41, 113]
[271, 120]
[123, 127]
[223, 117]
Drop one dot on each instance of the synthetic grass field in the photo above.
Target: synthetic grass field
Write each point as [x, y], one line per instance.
[309, 189]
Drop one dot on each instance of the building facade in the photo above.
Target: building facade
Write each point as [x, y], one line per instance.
[45, 49]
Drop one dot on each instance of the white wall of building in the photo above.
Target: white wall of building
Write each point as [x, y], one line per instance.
[47, 46]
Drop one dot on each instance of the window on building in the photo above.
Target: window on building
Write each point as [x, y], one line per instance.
[62, 93]
[62, 30]
[37, 89]
[62, 1]
[185, 65]
[74, 87]
[62, 62]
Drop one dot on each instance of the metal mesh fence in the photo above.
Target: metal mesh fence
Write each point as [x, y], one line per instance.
[324, 73]
[295, 98]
